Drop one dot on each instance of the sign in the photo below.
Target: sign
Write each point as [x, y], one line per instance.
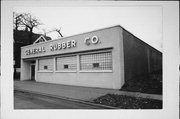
[35, 50]
[52, 47]
[63, 45]
[93, 40]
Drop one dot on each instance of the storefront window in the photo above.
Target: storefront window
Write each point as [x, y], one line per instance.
[45, 67]
[45, 64]
[66, 66]
[66, 63]
[96, 61]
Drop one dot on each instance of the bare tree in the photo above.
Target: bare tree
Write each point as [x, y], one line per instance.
[17, 20]
[30, 22]
[44, 32]
[59, 31]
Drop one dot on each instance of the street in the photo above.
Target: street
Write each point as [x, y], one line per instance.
[34, 101]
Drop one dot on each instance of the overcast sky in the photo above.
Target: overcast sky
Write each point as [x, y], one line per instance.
[143, 22]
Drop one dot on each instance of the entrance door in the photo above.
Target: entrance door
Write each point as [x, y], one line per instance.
[33, 72]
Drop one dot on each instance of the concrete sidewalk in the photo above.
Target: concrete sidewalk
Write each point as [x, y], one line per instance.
[74, 92]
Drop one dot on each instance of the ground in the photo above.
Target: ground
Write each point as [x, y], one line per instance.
[128, 102]
[34, 101]
[151, 84]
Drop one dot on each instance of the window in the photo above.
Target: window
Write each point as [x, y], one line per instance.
[66, 63]
[65, 66]
[96, 61]
[45, 64]
[45, 67]
[95, 65]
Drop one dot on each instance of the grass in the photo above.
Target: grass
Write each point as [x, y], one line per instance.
[151, 84]
[128, 102]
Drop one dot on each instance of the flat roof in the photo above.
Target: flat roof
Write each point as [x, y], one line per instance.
[75, 35]
[94, 31]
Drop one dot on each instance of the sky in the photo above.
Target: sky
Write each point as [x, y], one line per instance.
[144, 22]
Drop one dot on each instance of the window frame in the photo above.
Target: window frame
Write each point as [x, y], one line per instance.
[78, 62]
[66, 70]
[95, 71]
[45, 71]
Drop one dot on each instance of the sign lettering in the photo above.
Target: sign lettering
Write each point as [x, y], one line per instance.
[35, 50]
[93, 40]
[63, 45]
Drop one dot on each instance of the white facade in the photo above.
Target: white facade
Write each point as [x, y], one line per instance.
[93, 59]
[104, 58]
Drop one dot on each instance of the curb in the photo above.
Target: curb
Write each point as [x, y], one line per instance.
[67, 98]
[140, 95]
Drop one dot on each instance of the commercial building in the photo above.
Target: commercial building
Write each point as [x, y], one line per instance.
[103, 58]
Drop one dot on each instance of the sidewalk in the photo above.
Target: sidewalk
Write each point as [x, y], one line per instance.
[74, 92]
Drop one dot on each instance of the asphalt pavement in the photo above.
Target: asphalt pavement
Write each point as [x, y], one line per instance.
[77, 94]
[74, 92]
[34, 101]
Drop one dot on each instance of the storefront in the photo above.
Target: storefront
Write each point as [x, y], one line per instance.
[92, 59]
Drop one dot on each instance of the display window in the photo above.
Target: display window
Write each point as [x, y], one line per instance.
[66, 63]
[96, 61]
[45, 64]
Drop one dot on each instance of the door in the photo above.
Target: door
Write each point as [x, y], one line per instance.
[32, 72]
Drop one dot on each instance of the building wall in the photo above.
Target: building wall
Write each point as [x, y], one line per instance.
[155, 61]
[139, 58]
[25, 70]
[131, 57]
[110, 38]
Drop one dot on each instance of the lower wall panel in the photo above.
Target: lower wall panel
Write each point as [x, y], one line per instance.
[101, 80]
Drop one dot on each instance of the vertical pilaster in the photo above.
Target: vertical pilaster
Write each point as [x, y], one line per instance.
[54, 65]
[78, 63]
[36, 69]
[148, 59]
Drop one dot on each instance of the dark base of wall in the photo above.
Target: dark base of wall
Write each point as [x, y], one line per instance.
[150, 83]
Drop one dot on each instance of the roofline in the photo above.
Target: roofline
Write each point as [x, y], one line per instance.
[117, 25]
[142, 41]
[39, 38]
[75, 35]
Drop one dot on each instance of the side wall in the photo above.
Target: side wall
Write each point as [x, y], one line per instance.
[25, 70]
[139, 57]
